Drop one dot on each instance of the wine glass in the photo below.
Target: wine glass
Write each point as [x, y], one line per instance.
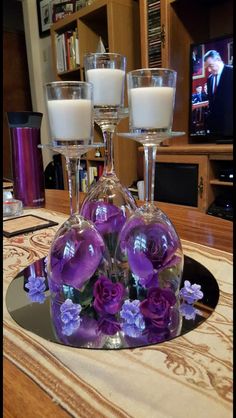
[149, 255]
[78, 254]
[108, 203]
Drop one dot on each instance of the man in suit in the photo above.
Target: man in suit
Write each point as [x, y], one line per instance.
[220, 95]
[197, 97]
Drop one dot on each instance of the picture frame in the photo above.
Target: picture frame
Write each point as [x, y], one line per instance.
[198, 65]
[60, 10]
[44, 10]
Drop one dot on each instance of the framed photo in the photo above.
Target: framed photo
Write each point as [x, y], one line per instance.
[60, 10]
[198, 62]
[44, 9]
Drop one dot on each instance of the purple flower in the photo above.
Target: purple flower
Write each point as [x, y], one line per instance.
[107, 217]
[191, 293]
[156, 335]
[157, 307]
[86, 335]
[37, 297]
[133, 324]
[188, 311]
[70, 316]
[108, 296]
[150, 249]
[36, 288]
[108, 324]
[75, 256]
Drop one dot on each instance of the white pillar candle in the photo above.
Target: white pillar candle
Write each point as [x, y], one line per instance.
[108, 85]
[70, 119]
[151, 107]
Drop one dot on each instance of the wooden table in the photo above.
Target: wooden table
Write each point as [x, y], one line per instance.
[23, 397]
[190, 224]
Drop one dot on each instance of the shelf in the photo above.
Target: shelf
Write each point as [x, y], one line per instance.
[117, 23]
[64, 73]
[221, 183]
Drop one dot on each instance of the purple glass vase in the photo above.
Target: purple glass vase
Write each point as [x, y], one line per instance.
[27, 162]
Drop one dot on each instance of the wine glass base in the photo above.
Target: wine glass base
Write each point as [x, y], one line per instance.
[150, 138]
[71, 149]
[107, 116]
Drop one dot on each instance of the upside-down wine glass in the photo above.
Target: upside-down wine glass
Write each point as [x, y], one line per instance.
[108, 203]
[78, 254]
[149, 253]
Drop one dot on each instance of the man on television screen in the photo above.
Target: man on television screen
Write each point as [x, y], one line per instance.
[220, 95]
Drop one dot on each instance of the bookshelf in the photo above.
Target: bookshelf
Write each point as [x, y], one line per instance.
[117, 23]
[176, 24]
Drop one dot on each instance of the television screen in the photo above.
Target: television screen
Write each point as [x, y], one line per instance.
[211, 91]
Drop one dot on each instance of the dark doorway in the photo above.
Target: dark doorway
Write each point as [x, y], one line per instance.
[16, 86]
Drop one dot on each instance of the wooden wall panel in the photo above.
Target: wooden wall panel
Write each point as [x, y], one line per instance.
[16, 87]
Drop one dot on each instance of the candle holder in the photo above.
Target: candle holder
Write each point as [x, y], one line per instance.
[108, 203]
[78, 254]
[149, 255]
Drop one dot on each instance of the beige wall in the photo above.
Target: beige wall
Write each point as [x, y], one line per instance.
[40, 68]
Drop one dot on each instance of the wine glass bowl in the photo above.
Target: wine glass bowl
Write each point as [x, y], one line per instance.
[108, 203]
[149, 256]
[78, 254]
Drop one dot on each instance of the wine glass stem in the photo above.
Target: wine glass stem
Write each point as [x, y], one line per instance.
[72, 166]
[149, 172]
[108, 151]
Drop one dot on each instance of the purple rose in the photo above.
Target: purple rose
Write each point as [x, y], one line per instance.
[107, 217]
[109, 325]
[108, 296]
[150, 249]
[156, 335]
[75, 256]
[157, 307]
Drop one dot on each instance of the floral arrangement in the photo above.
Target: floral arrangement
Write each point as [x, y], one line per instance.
[109, 311]
[135, 297]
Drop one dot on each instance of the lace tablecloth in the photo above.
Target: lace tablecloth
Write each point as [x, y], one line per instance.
[190, 376]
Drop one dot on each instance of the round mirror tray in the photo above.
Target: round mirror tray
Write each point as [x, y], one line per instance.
[43, 317]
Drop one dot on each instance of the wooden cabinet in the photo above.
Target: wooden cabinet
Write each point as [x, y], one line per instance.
[210, 160]
[177, 24]
[199, 162]
[117, 23]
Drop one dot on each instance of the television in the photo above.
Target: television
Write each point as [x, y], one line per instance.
[211, 98]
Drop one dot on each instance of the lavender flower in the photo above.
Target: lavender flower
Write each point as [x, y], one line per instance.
[133, 324]
[188, 311]
[36, 288]
[70, 316]
[191, 293]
